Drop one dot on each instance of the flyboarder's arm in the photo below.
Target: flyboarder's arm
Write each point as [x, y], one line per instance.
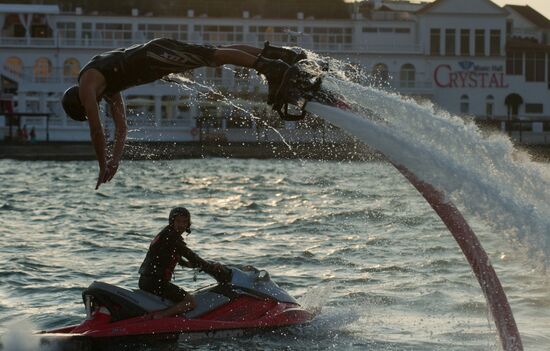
[89, 101]
[118, 111]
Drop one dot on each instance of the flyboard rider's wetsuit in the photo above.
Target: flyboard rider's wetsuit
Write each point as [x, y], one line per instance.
[165, 252]
[146, 63]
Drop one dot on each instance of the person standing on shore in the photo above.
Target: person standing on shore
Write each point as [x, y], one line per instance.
[33, 135]
[24, 134]
[107, 74]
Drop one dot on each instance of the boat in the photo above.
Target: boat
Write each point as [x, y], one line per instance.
[250, 303]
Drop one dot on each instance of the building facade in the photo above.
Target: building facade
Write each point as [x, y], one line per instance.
[470, 57]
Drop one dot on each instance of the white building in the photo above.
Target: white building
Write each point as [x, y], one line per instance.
[468, 56]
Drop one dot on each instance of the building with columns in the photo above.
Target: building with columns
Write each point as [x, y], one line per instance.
[470, 57]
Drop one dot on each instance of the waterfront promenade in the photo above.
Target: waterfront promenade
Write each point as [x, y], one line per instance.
[63, 151]
[142, 151]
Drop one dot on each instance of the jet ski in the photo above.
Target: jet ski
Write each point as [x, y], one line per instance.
[250, 303]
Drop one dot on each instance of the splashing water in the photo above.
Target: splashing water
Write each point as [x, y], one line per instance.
[485, 175]
[204, 90]
[20, 337]
[315, 298]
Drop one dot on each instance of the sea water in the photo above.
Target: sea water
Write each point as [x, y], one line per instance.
[354, 237]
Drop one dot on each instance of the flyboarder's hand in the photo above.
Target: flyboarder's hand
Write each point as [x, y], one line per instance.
[112, 167]
[106, 173]
[103, 175]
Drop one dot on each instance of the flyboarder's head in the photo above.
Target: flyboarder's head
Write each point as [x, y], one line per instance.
[180, 220]
[72, 104]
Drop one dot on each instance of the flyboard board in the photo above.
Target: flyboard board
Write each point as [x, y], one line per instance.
[302, 89]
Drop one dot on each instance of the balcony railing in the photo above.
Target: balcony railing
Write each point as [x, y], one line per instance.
[328, 44]
[26, 42]
[526, 33]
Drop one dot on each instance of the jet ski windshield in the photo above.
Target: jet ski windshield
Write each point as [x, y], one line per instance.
[258, 282]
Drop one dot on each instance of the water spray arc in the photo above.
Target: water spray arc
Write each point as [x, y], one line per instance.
[382, 141]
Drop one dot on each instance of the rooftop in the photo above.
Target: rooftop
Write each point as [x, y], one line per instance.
[319, 9]
[532, 15]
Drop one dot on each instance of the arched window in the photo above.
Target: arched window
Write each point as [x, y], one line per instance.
[489, 106]
[42, 68]
[513, 102]
[380, 74]
[71, 68]
[14, 65]
[464, 104]
[407, 76]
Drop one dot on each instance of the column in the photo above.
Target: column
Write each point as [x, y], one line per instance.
[458, 36]
[443, 41]
[158, 110]
[487, 35]
[21, 102]
[42, 105]
[472, 42]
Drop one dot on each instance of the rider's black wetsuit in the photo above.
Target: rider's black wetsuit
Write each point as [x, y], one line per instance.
[166, 251]
[145, 63]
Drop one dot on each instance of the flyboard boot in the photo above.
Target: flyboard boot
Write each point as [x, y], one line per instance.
[292, 56]
[274, 72]
[289, 56]
[302, 83]
[293, 85]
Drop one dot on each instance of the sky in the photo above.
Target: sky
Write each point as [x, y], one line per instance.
[542, 6]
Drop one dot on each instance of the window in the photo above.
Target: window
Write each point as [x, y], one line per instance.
[489, 106]
[14, 65]
[86, 30]
[534, 108]
[435, 42]
[450, 40]
[386, 30]
[173, 31]
[329, 36]
[480, 42]
[380, 74]
[41, 31]
[465, 42]
[42, 68]
[71, 67]
[495, 42]
[116, 31]
[464, 104]
[514, 63]
[216, 34]
[535, 70]
[214, 73]
[407, 76]
[66, 30]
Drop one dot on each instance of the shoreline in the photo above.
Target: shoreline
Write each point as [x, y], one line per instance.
[83, 151]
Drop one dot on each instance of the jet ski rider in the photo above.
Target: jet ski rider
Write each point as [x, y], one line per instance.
[166, 251]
